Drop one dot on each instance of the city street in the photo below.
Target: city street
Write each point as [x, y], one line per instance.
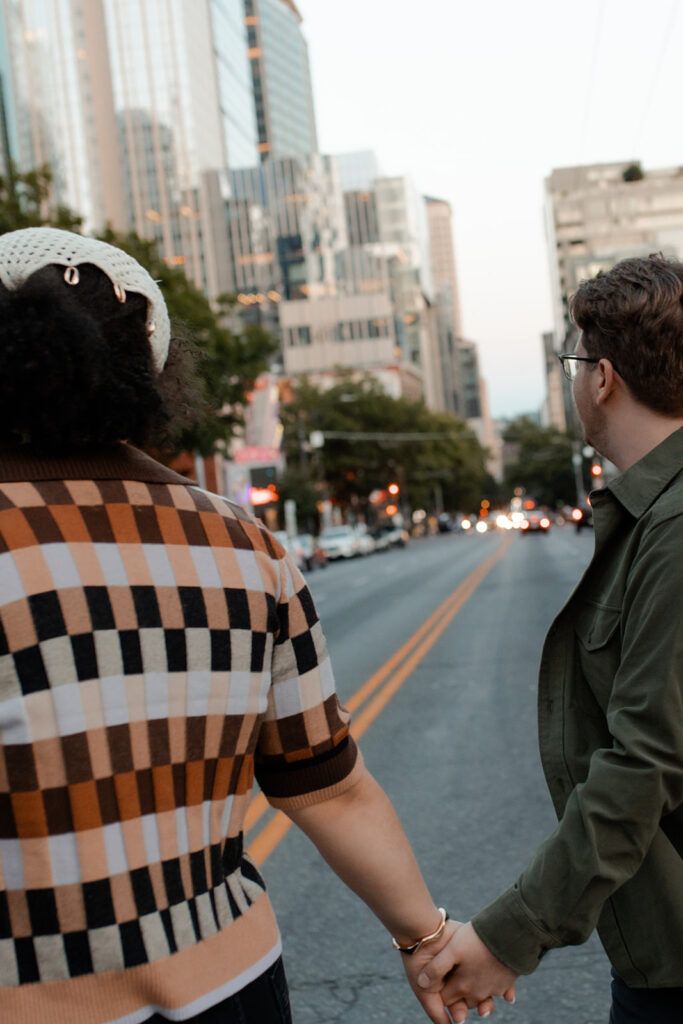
[450, 732]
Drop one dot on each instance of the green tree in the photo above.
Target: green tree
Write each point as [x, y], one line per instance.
[542, 462]
[26, 201]
[227, 363]
[634, 172]
[300, 486]
[352, 468]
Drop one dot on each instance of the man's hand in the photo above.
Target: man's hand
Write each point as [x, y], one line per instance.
[431, 999]
[476, 973]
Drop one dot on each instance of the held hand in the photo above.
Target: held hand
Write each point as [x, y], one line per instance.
[431, 999]
[477, 975]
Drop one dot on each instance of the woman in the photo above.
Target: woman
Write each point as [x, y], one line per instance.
[158, 649]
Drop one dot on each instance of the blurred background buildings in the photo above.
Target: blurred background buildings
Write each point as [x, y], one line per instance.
[193, 125]
[597, 215]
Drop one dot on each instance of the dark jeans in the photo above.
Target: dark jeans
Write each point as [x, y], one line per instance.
[264, 1001]
[645, 1005]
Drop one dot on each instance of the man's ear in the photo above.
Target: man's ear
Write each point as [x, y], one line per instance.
[607, 380]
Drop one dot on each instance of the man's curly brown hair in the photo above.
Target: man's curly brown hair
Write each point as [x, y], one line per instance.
[633, 316]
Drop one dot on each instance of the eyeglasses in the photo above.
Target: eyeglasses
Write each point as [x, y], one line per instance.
[570, 363]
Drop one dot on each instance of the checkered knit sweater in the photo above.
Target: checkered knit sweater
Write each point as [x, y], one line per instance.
[157, 649]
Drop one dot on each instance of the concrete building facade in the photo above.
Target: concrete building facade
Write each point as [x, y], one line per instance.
[597, 215]
[447, 304]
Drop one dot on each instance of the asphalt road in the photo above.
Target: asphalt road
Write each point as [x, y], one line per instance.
[455, 748]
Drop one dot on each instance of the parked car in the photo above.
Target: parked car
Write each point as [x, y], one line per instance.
[305, 548]
[295, 547]
[365, 539]
[535, 521]
[397, 535]
[381, 538]
[340, 542]
[313, 554]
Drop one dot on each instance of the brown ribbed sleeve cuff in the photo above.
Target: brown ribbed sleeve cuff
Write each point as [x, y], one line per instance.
[302, 784]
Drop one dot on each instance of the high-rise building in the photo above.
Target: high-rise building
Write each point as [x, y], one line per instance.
[476, 407]
[182, 95]
[599, 214]
[553, 413]
[281, 77]
[447, 308]
[57, 103]
[285, 224]
[138, 107]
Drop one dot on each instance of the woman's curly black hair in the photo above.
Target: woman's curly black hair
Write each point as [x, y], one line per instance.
[76, 367]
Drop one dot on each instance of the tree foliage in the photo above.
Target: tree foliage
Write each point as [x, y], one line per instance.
[227, 363]
[542, 462]
[26, 201]
[351, 469]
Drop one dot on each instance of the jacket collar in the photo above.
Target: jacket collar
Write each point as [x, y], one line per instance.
[641, 484]
[117, 462]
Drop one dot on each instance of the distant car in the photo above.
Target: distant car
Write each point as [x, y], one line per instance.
[294, 547]
[535, 521]
[340, 542]
[365, 539]
[582, 515]
[445, 523]
[396, 534]
[381, 538]
[313, 555]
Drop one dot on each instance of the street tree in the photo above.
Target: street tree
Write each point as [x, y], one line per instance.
[27, 201]
[439, 450]
[541, 462]
[227, 364]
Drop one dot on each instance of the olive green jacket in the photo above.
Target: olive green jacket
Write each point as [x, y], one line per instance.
[610, 712]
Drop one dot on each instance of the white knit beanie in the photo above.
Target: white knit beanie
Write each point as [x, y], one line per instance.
[25, 251]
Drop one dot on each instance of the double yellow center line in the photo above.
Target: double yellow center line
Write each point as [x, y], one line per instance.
[408, 657]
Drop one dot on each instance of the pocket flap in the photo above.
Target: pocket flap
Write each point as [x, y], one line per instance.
[595, 625]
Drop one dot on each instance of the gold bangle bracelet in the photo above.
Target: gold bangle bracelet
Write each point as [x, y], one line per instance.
[409, 950]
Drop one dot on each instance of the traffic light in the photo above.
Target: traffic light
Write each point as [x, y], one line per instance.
[596, 469]
[394, 489]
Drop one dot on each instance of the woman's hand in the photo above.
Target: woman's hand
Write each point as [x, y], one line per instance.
[431, 1000]
[462, 971]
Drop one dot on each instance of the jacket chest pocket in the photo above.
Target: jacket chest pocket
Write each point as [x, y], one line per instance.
[599, 653]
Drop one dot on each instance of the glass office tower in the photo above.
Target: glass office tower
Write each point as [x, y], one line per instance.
[57, 102]
[139, 107]
[181, 84]
[281, 79]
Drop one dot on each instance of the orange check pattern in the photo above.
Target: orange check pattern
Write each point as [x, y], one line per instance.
[157, 649]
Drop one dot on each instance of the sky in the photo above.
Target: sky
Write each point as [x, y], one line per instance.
[478, 102]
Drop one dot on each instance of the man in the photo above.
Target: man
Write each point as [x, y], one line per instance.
[611, 682]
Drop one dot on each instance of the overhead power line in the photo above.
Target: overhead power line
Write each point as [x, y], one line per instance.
[591, 79]
[657, 70]
[364, 435]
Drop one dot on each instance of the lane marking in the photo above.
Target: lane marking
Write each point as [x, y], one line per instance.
[413, 650]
